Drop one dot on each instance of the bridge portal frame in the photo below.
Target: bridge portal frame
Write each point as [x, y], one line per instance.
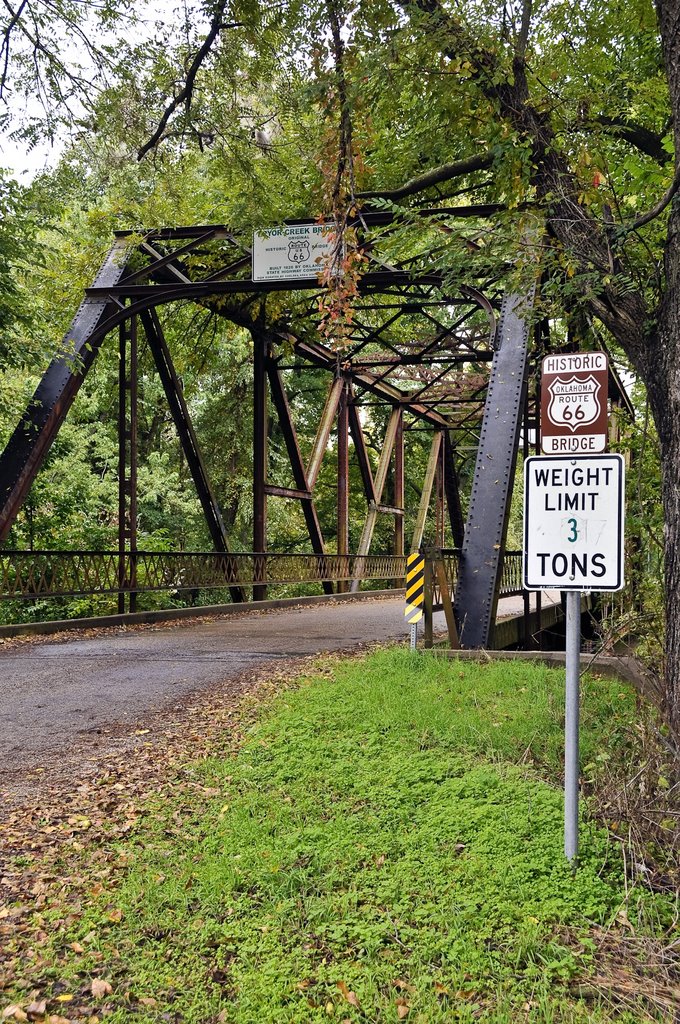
[208, 265]
[125, 294]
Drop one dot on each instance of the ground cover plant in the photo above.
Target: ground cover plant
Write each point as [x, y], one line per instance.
[386, 844]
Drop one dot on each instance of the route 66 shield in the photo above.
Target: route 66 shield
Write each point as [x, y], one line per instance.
[574, 401]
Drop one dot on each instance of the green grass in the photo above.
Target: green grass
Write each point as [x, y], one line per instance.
[386, 845]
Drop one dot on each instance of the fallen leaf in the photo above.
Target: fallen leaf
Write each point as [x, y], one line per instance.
[14, 1012]
[403, 1010]
[37, 1009]
[100, 988]
[347, 994]
[76, 947]
[441, 989]
[148, 1001]
[115, 916]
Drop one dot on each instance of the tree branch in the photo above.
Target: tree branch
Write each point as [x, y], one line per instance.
[433, 177]
[185, 94]
[35, 41]
[646, 141]
[345, 155]
[15, 15]
[645, 218]
[523, 37]
[624, 312]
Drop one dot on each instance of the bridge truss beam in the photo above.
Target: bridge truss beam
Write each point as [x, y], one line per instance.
[417, 356]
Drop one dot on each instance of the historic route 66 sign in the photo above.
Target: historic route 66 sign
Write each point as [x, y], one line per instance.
[292, 252]
[574, 403]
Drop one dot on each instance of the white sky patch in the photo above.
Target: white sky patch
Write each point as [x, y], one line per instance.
[25, 160]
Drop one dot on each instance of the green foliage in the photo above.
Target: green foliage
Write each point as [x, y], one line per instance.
[21, 327]
[637, 615]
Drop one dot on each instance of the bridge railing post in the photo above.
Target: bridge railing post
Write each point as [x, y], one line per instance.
[428, 602]
[439, 574]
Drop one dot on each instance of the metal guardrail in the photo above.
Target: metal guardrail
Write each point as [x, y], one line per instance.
[32, 574]
[511, 571]
[511, 575]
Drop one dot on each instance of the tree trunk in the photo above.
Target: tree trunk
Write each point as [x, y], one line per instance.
[668, 419]
[660, 371]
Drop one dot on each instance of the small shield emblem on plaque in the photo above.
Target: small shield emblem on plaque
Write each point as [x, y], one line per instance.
[574, 401]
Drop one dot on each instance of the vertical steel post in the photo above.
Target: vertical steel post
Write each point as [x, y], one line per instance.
[127, 464]
[132, 477]
[122, 451]
[441, 494]
[399, 487]
[571, 725]
[414, 636]
[526, 613]
[452, 493]
[260, 427]
[428, 603]
[343, 482]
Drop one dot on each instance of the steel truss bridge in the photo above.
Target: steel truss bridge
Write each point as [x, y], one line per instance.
[455, 359]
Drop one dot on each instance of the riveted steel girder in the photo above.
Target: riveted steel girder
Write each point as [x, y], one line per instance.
[481, 557]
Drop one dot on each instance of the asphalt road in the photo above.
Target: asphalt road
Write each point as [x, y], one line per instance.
[55, 694]
[69, 696]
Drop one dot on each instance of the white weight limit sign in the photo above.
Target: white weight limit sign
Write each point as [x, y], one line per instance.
[574, 522]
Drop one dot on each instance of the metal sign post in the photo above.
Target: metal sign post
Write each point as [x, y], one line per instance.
[571, 725]
[573, 522]
[573, 541]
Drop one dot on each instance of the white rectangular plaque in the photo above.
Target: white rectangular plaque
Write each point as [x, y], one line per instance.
[292, 252]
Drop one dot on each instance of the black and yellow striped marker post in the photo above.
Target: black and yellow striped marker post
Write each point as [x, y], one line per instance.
[415, 593]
